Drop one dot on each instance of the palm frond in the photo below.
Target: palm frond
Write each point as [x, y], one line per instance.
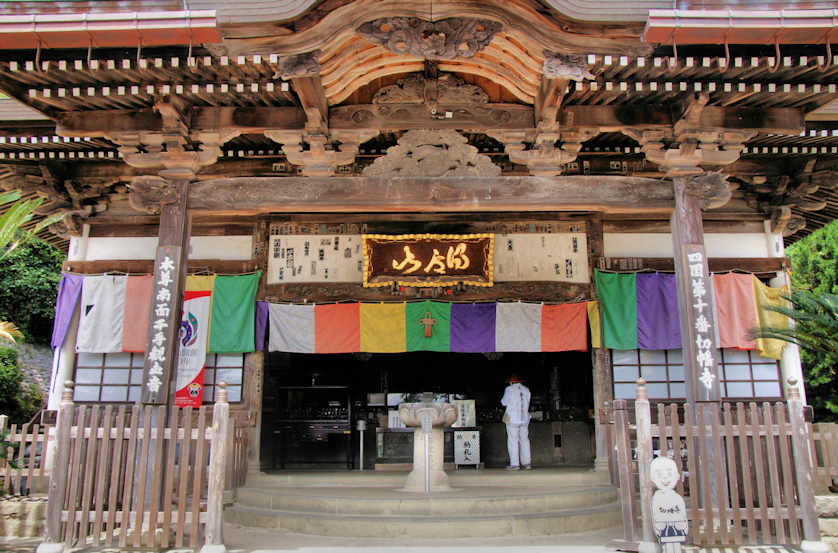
[815, 318]
[9, 331]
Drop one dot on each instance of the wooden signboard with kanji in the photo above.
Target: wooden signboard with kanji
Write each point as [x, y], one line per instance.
[428, 259]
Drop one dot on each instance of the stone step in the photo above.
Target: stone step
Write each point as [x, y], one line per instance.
[454, 526]
[475, 501]
[539, 477]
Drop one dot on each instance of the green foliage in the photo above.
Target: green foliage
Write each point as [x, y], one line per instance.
[28, 284]
[15, 216]
[814, 261]
[18, 399]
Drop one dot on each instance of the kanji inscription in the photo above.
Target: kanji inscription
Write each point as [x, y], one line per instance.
[428, 259]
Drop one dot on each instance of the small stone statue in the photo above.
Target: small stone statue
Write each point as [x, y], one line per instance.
[669, 512]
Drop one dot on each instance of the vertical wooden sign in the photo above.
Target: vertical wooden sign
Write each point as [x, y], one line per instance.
[700, 357]
[163, 325]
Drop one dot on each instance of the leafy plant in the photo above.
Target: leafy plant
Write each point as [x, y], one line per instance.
[814, 279]
[15, 217]
[28, 283]
[19, 400]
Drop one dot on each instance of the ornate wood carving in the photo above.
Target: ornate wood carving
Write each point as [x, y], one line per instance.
[450, 89]
[149, 193]
[423, 116]
[565, 66]
[711, 188]
[441, 153]
[299, 65]
[447, 39]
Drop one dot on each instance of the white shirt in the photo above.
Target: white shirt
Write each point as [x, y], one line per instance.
[516, 398]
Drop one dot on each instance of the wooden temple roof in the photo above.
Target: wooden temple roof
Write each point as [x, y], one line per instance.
[269, 70]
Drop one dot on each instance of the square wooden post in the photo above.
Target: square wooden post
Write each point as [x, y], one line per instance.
[623, 454]
[213, 538]
[59, 466]
[643, 418]
[804, 467]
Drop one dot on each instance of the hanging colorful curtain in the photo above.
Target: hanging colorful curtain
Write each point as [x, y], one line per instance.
[427, 326]
[741, 301]
[115, 312]
[639, 310]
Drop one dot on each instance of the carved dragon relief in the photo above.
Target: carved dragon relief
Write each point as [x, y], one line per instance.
[432, 153]
[447, 39]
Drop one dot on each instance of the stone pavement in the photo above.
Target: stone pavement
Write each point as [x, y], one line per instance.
[254, 540]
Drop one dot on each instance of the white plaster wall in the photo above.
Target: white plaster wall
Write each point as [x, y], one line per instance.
[201, 247]
[660, 245]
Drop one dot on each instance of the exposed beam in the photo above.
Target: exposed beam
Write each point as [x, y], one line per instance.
[249, 120]
[711, 119]
[454, 194]
[255, 120]
[759, 265]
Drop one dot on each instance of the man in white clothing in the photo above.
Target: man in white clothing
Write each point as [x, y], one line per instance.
[516, 399]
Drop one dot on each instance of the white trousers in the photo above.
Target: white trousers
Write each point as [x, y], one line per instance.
[518, 439]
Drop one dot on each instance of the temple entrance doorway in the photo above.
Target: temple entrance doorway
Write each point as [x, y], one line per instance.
[312, 404]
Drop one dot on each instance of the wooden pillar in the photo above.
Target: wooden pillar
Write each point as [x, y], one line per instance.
[59, 463]
[167, 293]
[804, 467]
[643, 419]
[213, 538]
[695, 295]
[603, 397]
[623, 454]
[600, 357]
[695, 311]
[254, 370]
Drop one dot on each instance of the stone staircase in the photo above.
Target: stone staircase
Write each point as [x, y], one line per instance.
[827, 509]
[487, 503]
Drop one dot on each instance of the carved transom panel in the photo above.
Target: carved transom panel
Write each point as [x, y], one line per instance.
[432, 153]
[450, 90]
[447, 39]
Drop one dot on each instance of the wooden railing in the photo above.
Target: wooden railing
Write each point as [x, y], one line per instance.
[746, 469]
[237, 473]
[27, 453]
[138, 476]
[823, 438]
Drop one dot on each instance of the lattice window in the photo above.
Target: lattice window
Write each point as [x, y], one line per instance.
[743, 374]
[118, 377]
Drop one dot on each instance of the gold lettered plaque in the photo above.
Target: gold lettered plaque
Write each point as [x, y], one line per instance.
[428, 259]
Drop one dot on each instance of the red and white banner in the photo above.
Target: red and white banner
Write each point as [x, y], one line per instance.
[193, 348]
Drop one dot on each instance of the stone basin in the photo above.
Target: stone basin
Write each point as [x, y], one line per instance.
[441, 415]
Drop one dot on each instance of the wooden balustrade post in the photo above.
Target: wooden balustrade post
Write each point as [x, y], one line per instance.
[643, 417]
[803, 470]
[623, 460]
[213, 539]
[59, 466]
